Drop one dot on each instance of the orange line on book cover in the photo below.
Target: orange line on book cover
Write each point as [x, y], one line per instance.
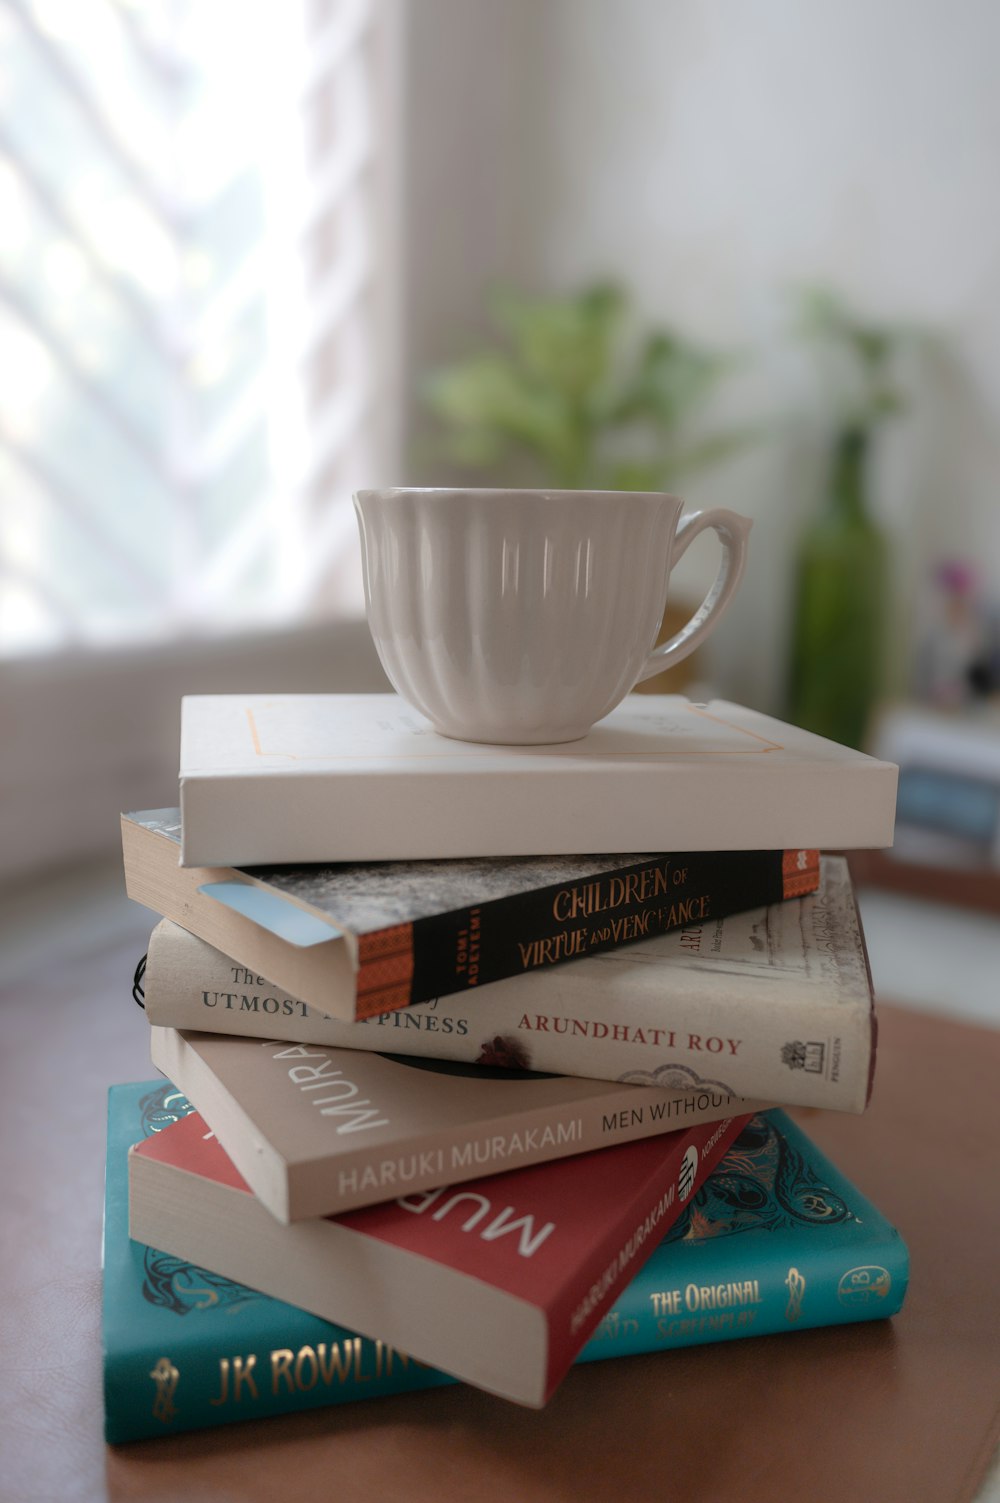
[799, 873]
[428, 746]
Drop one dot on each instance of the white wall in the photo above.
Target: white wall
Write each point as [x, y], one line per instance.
[87, 735]
[467, 87]
[711, 156]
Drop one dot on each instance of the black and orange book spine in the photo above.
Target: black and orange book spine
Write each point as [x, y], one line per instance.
[443, 954]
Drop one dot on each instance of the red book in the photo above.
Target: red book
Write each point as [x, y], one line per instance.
[499, 1281]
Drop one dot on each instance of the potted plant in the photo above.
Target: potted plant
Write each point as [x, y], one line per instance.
[567, 397]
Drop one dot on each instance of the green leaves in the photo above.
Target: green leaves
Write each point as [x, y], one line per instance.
[672, 379]
[568, 394]
[859, 356]
[565, 344]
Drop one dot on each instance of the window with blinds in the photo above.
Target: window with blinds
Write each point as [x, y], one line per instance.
[194, 311]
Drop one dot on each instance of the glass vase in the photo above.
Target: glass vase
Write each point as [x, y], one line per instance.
[838, 616]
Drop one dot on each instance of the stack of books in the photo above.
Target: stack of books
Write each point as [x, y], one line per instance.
[445, 1095]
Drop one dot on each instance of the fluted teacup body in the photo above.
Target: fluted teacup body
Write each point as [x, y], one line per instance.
[519, 616]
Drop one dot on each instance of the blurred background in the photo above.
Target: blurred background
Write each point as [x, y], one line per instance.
[252, 257]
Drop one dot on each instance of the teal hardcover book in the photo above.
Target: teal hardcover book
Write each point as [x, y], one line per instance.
[776, 1240]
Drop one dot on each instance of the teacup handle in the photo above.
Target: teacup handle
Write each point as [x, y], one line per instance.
[733, 531]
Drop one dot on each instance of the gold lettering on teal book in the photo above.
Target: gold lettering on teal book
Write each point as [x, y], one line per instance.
[243, 1375]
[306, 1369]
[722, 1296]
[223, 1383]
[240, 1369]
[165, 1376]
[688, 1327]
[866, 1285]
[300, 1371]
[796, 1286]
[613, 1326]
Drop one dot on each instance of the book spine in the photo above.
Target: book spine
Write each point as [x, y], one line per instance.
[194, 1384]
[692, 1293]
[448, 953]
[615, 1262]
[684, 1295]
[367, 1174]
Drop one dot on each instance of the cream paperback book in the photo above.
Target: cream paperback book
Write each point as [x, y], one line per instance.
[317, 1130]
[300, 778]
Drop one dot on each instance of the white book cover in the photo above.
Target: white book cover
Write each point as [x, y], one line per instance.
[297, 778]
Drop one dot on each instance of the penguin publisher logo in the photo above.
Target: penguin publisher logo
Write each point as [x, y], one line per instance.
[688, 1172]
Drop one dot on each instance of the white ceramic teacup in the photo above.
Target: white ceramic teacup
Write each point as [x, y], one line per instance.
[519, 616]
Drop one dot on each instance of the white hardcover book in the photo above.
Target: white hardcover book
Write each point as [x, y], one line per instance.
[774, 1004]
[349, 777]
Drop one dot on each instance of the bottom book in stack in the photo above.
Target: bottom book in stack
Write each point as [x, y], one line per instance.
[773, 1240]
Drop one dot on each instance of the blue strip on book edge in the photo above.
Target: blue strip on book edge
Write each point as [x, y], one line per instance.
[287, 920]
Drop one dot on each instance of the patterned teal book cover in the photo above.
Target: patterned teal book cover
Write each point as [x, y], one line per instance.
[776, 1240]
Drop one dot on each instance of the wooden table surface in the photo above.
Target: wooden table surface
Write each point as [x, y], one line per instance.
[907, 1410]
